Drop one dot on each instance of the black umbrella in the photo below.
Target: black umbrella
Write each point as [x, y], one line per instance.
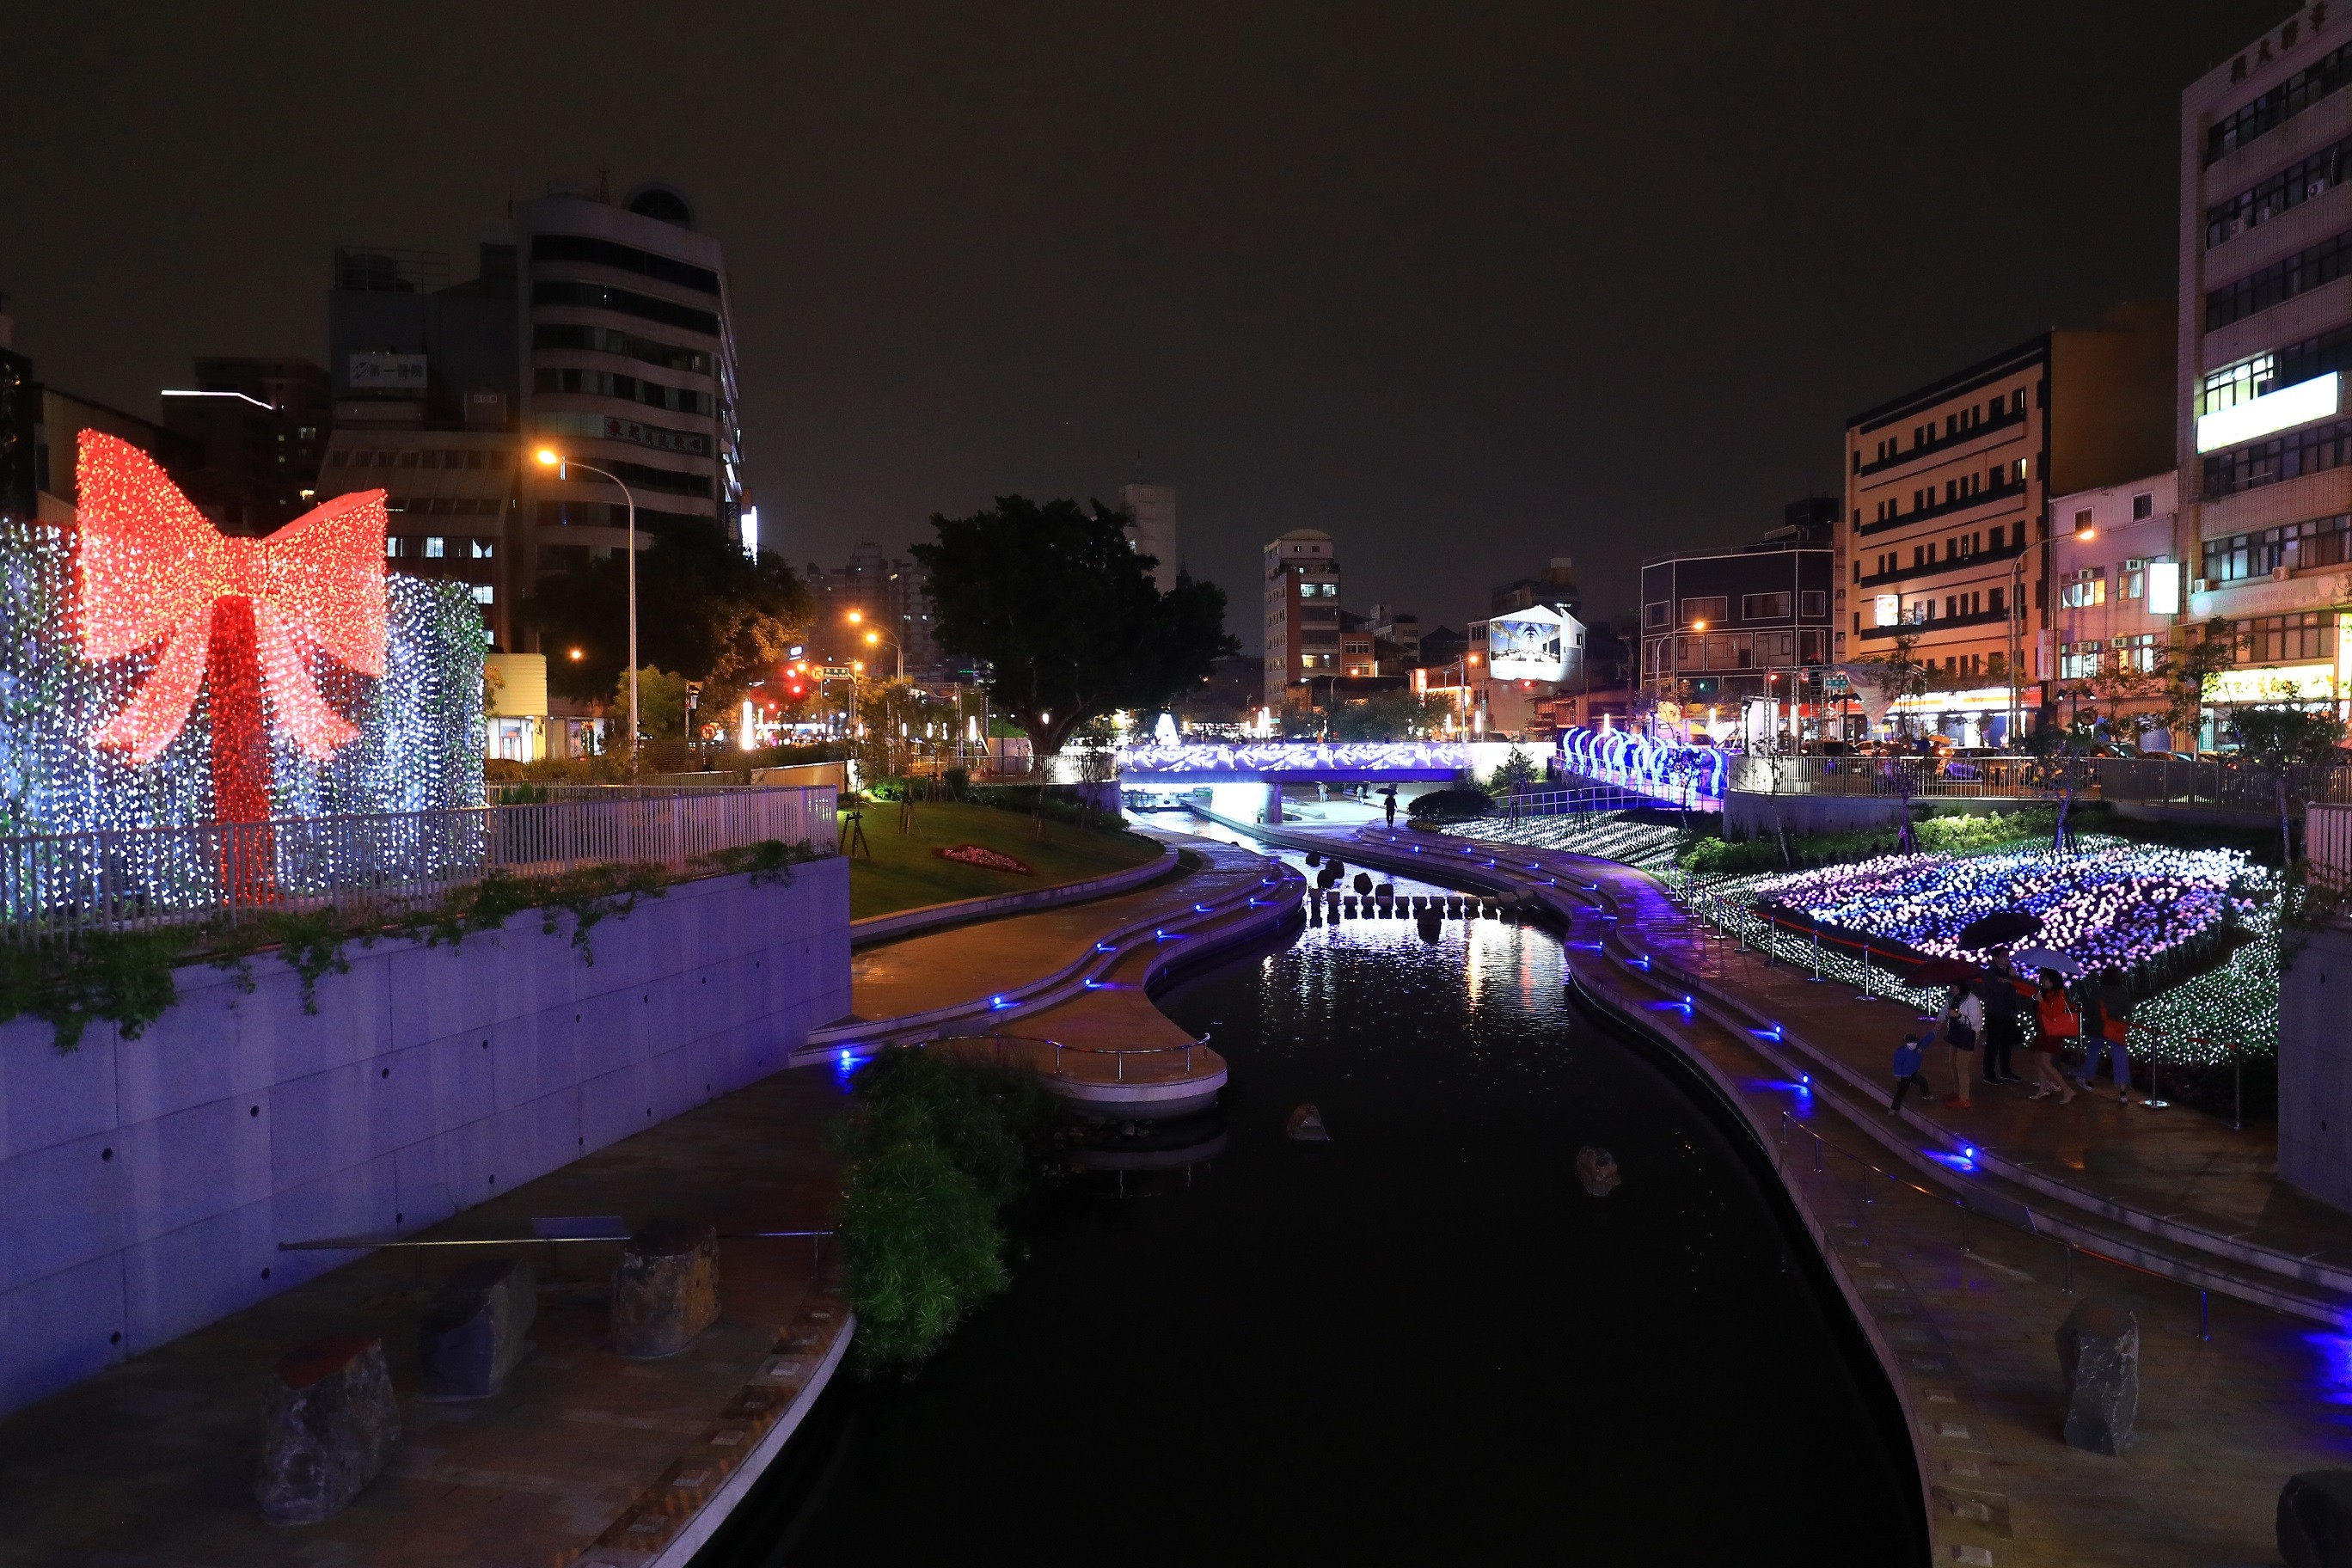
[2009, 925]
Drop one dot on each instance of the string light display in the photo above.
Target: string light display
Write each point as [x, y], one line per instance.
[246, 616]
[2124, 905]
[415, 722]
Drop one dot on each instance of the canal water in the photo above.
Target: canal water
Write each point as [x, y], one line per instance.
[1421, 1341]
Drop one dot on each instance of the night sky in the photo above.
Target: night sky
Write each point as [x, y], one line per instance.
[1467, 286]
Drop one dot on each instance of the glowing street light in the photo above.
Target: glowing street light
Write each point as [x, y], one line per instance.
[549, 458]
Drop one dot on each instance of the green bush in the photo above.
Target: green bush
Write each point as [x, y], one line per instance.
[1945, 835]
[934, 1149]
[1449, 806]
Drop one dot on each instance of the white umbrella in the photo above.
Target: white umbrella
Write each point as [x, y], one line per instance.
[2032, 960]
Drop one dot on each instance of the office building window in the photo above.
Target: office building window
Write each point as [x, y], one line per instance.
[2285, 640]
[1715, 608]
[2078, 660]
[1654, 615]
[1764, 606]
[2143, 505]
[2298, 546]
[2139, 652]
[1814, 603]
[435, 547]
[2307, 269]
[2086, 589]
[2312, 451]
[483, 592]
[2280, 104]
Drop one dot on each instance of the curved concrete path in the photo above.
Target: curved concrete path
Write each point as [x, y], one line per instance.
[1064, 993]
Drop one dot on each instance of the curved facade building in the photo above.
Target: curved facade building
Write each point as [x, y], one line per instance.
[629, 363]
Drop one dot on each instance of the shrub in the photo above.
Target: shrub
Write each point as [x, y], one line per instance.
[1449, 806]
[934, 1147]
[1947, 834]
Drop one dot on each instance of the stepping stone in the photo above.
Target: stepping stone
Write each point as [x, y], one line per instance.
[330, 1426]
[473, 1336]
[665, 1290]
[2098, 1351]
[2315, 1520]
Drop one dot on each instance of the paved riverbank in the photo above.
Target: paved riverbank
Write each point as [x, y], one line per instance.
[152, 1462]
[1964, 1322]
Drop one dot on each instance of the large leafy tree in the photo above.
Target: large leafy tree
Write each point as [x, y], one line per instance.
[704, 612]
[1064, 610]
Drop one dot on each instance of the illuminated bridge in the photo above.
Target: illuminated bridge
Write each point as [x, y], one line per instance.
[1274, 763]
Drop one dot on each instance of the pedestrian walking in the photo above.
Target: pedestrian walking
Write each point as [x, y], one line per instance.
[1387, 802]
[2057, 1027]
[1963, 1029]
[1907, 1075]
[2106, 1031]
[2004, 1019]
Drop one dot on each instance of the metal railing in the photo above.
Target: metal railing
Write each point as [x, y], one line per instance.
[2225, 785]
[2023, 1220]
[1041, 1054]
[1899, 778]
[58, 886]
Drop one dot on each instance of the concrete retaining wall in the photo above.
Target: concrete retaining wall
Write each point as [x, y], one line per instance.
[1750, 814]
[144, 1185]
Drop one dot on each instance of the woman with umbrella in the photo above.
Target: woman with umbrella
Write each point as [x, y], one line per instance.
[2059, 1027]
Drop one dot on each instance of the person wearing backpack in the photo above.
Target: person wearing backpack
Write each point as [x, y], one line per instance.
[1963, 1025]
[1907, 1073]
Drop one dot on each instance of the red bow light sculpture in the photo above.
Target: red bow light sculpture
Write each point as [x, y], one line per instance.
[239, 615]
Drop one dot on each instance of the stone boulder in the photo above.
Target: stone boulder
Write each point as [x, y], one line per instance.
[2098, 1352]
[473, 1336]
[330, 1426]
[1597, 1169]
[1305, 1126]
[2315, 1520]
[666, 1290]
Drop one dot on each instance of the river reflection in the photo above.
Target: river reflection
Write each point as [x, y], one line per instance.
[1421, 1342]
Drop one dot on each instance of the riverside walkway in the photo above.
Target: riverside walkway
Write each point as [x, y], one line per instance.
[584, 1458]
[1959, 1273]
[1064, 992]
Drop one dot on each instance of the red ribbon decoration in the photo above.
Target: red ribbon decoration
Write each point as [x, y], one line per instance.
[242, 616]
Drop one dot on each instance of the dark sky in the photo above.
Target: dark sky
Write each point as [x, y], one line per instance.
[1467, 286]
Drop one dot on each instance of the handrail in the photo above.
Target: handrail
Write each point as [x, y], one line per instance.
[1121, 1053]
[2068, 1246]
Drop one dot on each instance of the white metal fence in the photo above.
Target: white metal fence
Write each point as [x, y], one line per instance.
[60, 885]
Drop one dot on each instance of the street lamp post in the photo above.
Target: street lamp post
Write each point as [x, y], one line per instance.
[874, 637]
[551, 458]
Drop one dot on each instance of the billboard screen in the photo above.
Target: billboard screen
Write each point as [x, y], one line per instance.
[1529, 645]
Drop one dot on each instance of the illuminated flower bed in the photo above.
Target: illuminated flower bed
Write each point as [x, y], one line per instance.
[2131, 906]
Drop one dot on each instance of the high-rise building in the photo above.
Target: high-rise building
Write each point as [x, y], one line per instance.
[2264, 438]
[1724, 626]
[888, 596]
[630, 350]
[261, 427]
[1301, 589]
[1945, 546]
[424, 375]
[1153, 508]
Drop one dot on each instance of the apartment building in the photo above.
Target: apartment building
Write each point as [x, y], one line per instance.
[888, 595]
[2264, 443]
[2116, 590]
[1719, 627]
[1944, 550]
[260, 427]
[1300, 586]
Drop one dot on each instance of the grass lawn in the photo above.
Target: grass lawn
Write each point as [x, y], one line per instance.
[904, 874]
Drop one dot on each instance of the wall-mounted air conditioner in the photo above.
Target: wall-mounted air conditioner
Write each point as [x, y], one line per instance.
[2136, 563]
[2200, 585]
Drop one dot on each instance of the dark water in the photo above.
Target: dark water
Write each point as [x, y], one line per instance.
[1421, 1342]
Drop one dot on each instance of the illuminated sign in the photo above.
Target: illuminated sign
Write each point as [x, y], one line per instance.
[2282, 410]
[1533, 644]
[2272, 683]
[1888, 608]
[2164, 587]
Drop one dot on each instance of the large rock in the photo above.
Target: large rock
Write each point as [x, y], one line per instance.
[1597, 1169]
[330, 1425]
[665, 1290]
[473, 1336]
[1305, 1126]
[2315, 1520]
[2098, 1350]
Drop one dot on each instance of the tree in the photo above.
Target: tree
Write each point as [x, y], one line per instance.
[1063, 609]
[1897, 673]
[665, 700]
[1514, 773]
[1399, 715]
[703, 610]
[2275, 737]
[2189, 677]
